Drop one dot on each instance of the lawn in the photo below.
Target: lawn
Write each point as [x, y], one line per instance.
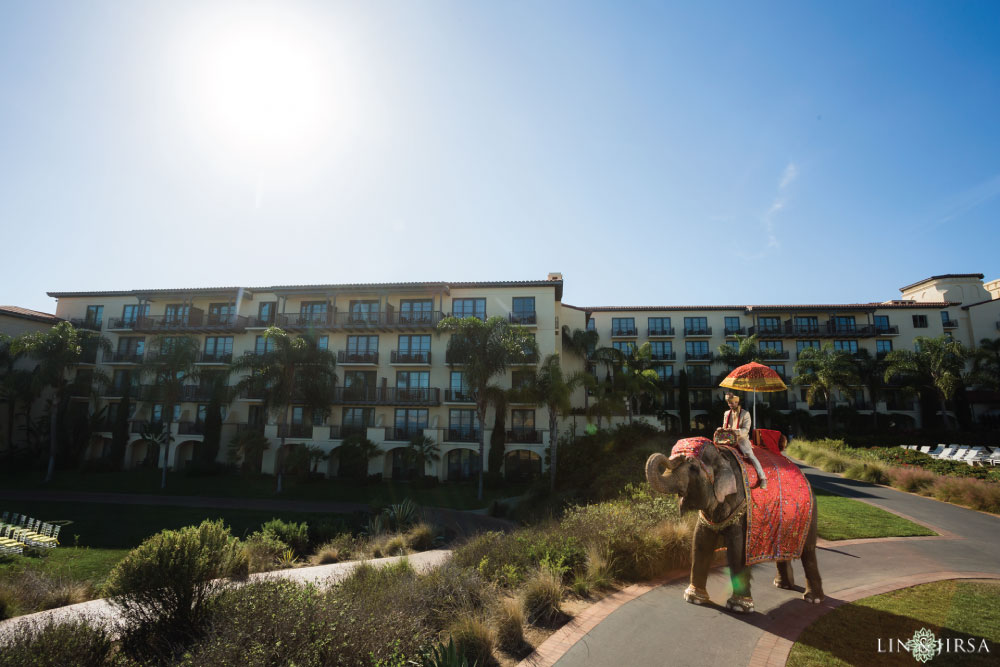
[849, 635]
[459, 496]
[846, 519]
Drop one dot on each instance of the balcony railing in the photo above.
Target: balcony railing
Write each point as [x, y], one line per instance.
[526, 359]
[663, 356]
[345, 357]
[304, 320]
[769, 353]
[701, 405]
[530, 317]
[700, 380]
[86, 323]
[194, 321]
[890, 330]
[360, 320]
[261, 322]
[734, 331]
[822, 329]
[295, 430]
[415, 396]
[949, 324]
[356, 394]
[419, 319]
[698, 356]
[246, 427]
[126, 357]
[348, 430]
[457, 396]
[116, 391]
[215, 357]
[191, 428]
[121, 323]
[697, 331]
[659, 331]
[403, 434]
[397, 357]
[625, 332]
[524, 435]
[462, 435]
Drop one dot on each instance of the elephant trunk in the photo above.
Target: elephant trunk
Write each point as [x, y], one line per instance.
[656, 479]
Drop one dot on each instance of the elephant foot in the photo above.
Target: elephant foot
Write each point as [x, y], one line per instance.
[812, 598]
[696, 595]
[779, 583]
[741, 604]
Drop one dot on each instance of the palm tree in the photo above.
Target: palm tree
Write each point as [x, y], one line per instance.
[637, 376]
[553, 390]
[747, 350]
[986, 364]
[355, 454]
[823, 370]
[170, 365]
[485, 349]
[869, 372]
[16, 385]
[936, 364]
[59, 349]
[295, 370]
[422, 449]
[246, 447]
[581, 343]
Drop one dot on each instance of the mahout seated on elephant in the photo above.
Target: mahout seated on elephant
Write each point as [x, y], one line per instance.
[712, 480]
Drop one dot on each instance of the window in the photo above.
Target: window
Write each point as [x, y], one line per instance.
[699, 374]
[94, 316]
[591, 325]
[362, 347]
[701, 399]
[623, 326]
[359, 380]
[946, 319]
[356, 420]
[919, 321]
[623, 346]
[850, 346]
[410, 422]
[521, 379]
[881, 323]
[412, 385]
[414, 348]
[696, 325]
[323, 343]
[157, 413]
[463, 464]
[177, 313]
[416, 311]
[265, 313]
[131, 313]
[522, 420]
[661, 349]
[131, 347]
[524, 310]
[364, 311]
[774, 345]
[262, 345]
[219, 313]
[844, 324]
[665, 372]
[778, 368]
[659, 326]
[462, 423]
[459, 387]
[218, 348]
[806, 324]
[806, 345]
[883, 347]
[732, 325]
[313, 312]
[769, 324]
[696, 349]
[469, 308]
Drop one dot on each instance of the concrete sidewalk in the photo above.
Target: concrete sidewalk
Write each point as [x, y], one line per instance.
[652, 625]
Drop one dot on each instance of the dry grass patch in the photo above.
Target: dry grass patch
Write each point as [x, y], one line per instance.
[542, 596]
[508, 618]
[474, 639]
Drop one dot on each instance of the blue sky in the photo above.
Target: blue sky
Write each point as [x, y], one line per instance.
[654, 153]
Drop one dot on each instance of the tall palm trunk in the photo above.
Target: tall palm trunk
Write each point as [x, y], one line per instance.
[53, 421]
[829, 411]
[944, 410]
[166, 447]
[481, 413]
[282, 428]
[553, 445]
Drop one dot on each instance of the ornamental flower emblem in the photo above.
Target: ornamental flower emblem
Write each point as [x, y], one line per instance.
[923, 645]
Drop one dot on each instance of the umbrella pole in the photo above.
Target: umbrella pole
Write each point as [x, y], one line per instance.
[754, 425]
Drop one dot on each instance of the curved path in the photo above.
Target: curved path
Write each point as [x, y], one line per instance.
[650, 624]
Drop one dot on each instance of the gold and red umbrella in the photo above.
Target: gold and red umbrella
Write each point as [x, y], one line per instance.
[753, 377]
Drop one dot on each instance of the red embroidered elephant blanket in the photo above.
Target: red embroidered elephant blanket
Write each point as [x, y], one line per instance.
[777, 517]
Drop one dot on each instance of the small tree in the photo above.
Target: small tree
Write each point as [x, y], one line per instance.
[498, 438]
[355, 454]
[937, 364]
[247, 449]
[422, 449]
[824, 370]
[869, 372]
[684, 402]
[746, 350]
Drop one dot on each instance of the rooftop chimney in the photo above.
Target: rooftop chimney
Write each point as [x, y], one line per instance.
[555, 276]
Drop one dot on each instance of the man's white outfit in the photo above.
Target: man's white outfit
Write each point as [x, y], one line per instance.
[740, 422]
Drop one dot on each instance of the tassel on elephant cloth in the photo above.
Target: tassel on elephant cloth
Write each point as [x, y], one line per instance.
[777, 517]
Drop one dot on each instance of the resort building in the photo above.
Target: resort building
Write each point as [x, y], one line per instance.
[395, 379]
[18, 410]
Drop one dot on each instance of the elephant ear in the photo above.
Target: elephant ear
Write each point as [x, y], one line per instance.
[725, 482]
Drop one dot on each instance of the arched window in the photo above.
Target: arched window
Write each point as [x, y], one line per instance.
[522, 465]
[463, 464]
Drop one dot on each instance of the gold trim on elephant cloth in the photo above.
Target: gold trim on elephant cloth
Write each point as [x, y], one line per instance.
[722, 525]
[697, 593]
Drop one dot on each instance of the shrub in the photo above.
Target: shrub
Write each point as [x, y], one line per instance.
[542, 595]
[390, 545]
[32, 590]
[444, 655]
[600, 566]
[8, 603]
[912, 479]
[263, 551]
[867, 472]
[497, 557]
[66, 643]
[342, 547]
[509, 620]
[161, 588]
[295, 535]
[420, 537]
[972, 493]
[474, 640]
[449, 591]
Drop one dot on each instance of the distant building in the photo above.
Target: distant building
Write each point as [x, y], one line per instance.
[15, 321]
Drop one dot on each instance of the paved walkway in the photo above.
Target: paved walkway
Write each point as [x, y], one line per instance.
[650, 624]
[103, 613]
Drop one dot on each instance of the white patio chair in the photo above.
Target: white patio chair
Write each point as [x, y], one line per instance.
[975, 455]
[926, 449]
[945, 452]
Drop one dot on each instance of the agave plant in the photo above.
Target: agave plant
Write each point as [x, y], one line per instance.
[445, 655]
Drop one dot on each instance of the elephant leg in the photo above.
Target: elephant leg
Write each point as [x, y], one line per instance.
[741, 601]
[814, 583]
[702, 552]
[785, 578]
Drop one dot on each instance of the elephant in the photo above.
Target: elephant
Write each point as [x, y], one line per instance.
[713, 484]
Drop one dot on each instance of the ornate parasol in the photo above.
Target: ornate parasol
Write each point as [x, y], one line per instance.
[753, 377]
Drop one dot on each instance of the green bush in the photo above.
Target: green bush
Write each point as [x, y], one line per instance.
[474, 640]
[509, 620]
[161, 588]
[69, 643]
[542, 594]
[263, 551]
[295, 535]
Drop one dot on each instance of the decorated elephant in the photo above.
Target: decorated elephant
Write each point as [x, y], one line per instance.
[758, 525]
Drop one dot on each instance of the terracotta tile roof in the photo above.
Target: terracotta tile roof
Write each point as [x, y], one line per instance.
[943, 275]
[978, 303]
[26, 314]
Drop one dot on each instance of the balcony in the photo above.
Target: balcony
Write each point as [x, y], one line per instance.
[247, 427]
[415, 320]
[770, 354]
[357, 358]
[121, 324]
[297, 321]
[527, 359]
[624, 332]
[826, 329]
[697, 331]
[126, 357]
[195, 321]
[353, 321]
[700, 380]
[421, 358]
[528, 318]
[524, 435]
[356, 395]
[415, 396]
[261, 322]
[138, 426]
[295, 431]
[890, 330]
[663, 356]
[462, 435]
[659, 331]
[253, 393]
[115, 391]
[348, 430]
[191, 428]
[458, 396]
[736, 331]
[698, 356]
[403, 434]
[86, 323]
[215, 357]
[949, 324]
